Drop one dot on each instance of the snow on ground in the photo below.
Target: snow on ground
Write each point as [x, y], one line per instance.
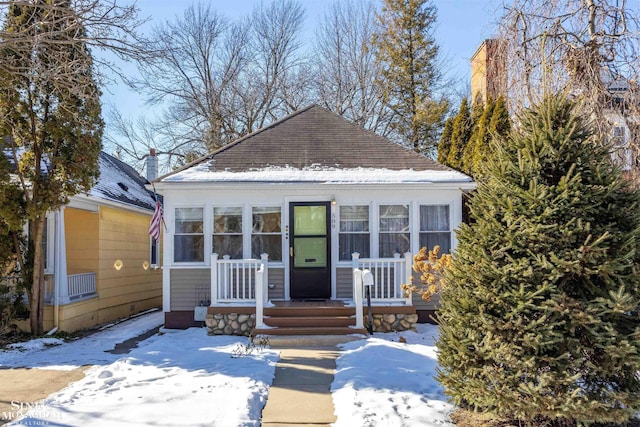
[183, 378]
[187, 378]
[89, 350]
[383, 382]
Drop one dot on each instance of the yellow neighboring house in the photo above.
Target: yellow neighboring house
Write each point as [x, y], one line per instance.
[101, 264]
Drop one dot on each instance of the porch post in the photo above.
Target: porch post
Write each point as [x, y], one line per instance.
[357, 289]
[408, 265]
[214, 279]
[260, 297]
[61, 287]
[357, 296]
[355, 259]
[264, 258]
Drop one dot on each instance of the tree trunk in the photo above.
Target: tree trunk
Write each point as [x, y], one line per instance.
[37, 285]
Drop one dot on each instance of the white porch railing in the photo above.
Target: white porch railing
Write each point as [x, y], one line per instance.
[78, 286]
[236, 280]
[81, 285]
[388, 275]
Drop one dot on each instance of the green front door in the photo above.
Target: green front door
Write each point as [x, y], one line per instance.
[310, 250]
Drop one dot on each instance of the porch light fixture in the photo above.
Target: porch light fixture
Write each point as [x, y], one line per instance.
[333, 200]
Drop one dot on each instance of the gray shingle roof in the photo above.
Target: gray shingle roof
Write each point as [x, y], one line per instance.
[313, 137]
[119, 182]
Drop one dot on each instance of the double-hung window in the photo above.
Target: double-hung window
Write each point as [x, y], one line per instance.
[266, 232]
[154, 252]
[188, 238]
[434, 227]
[354, 232]
[227, 231]
[394, 234]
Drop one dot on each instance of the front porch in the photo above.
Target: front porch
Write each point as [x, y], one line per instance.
[240, 303]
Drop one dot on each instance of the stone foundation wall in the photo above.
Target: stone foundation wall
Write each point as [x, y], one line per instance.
[230, 324]
[392, 322]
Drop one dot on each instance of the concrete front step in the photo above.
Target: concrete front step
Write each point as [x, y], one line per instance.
[309, 330]
[310, 321]
[309, 311]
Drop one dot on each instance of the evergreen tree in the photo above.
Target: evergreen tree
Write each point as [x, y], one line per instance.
[500, 124]
[406, 49]
[477, 110]
[460, 134]
[539, 313]
[50, 123]
[445, 141]
[477, 150]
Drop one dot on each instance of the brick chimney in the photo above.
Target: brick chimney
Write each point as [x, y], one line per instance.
[152, 165]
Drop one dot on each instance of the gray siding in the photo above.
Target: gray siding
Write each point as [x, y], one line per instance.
[276, 277]
[189, 288]
[344, 282]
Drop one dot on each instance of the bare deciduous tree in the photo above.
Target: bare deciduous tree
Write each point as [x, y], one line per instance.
[197, 60]
[588, 48]
[102, 25]
[216, 80]
[347, 76]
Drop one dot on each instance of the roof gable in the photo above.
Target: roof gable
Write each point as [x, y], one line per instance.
[310, 139]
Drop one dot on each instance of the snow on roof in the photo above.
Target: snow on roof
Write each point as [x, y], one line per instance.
[203, 173]
[119, 182]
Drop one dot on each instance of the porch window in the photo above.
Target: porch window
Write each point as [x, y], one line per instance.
[227, 231]
[394, 230]
[354, 232]
[188, 238]
[434, 227]
[266, 234]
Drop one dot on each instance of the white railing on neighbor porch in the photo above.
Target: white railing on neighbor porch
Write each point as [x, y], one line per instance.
[388, 275]
[81, 285]
[236, 280]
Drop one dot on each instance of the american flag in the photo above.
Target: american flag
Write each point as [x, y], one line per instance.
[156, 220]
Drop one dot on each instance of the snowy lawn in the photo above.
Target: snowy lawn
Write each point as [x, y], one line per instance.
[383, 382]
[187, 378]
[183, 378]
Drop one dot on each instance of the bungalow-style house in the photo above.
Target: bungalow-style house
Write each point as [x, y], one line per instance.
[273, 230]
[100, 263]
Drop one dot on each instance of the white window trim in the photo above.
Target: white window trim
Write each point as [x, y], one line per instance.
[344, 262]
[412, 212]
[154, 266]
[243, 213]
[171, 232]
[417, 222]
[247, 236]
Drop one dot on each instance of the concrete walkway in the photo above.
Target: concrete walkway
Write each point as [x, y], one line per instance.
[301, 390]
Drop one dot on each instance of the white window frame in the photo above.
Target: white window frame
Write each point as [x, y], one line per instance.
[375, 250]
[419, 225]
[157, 252]
[243, 229]
[174, 234]
[370, 231]
[251, 233]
